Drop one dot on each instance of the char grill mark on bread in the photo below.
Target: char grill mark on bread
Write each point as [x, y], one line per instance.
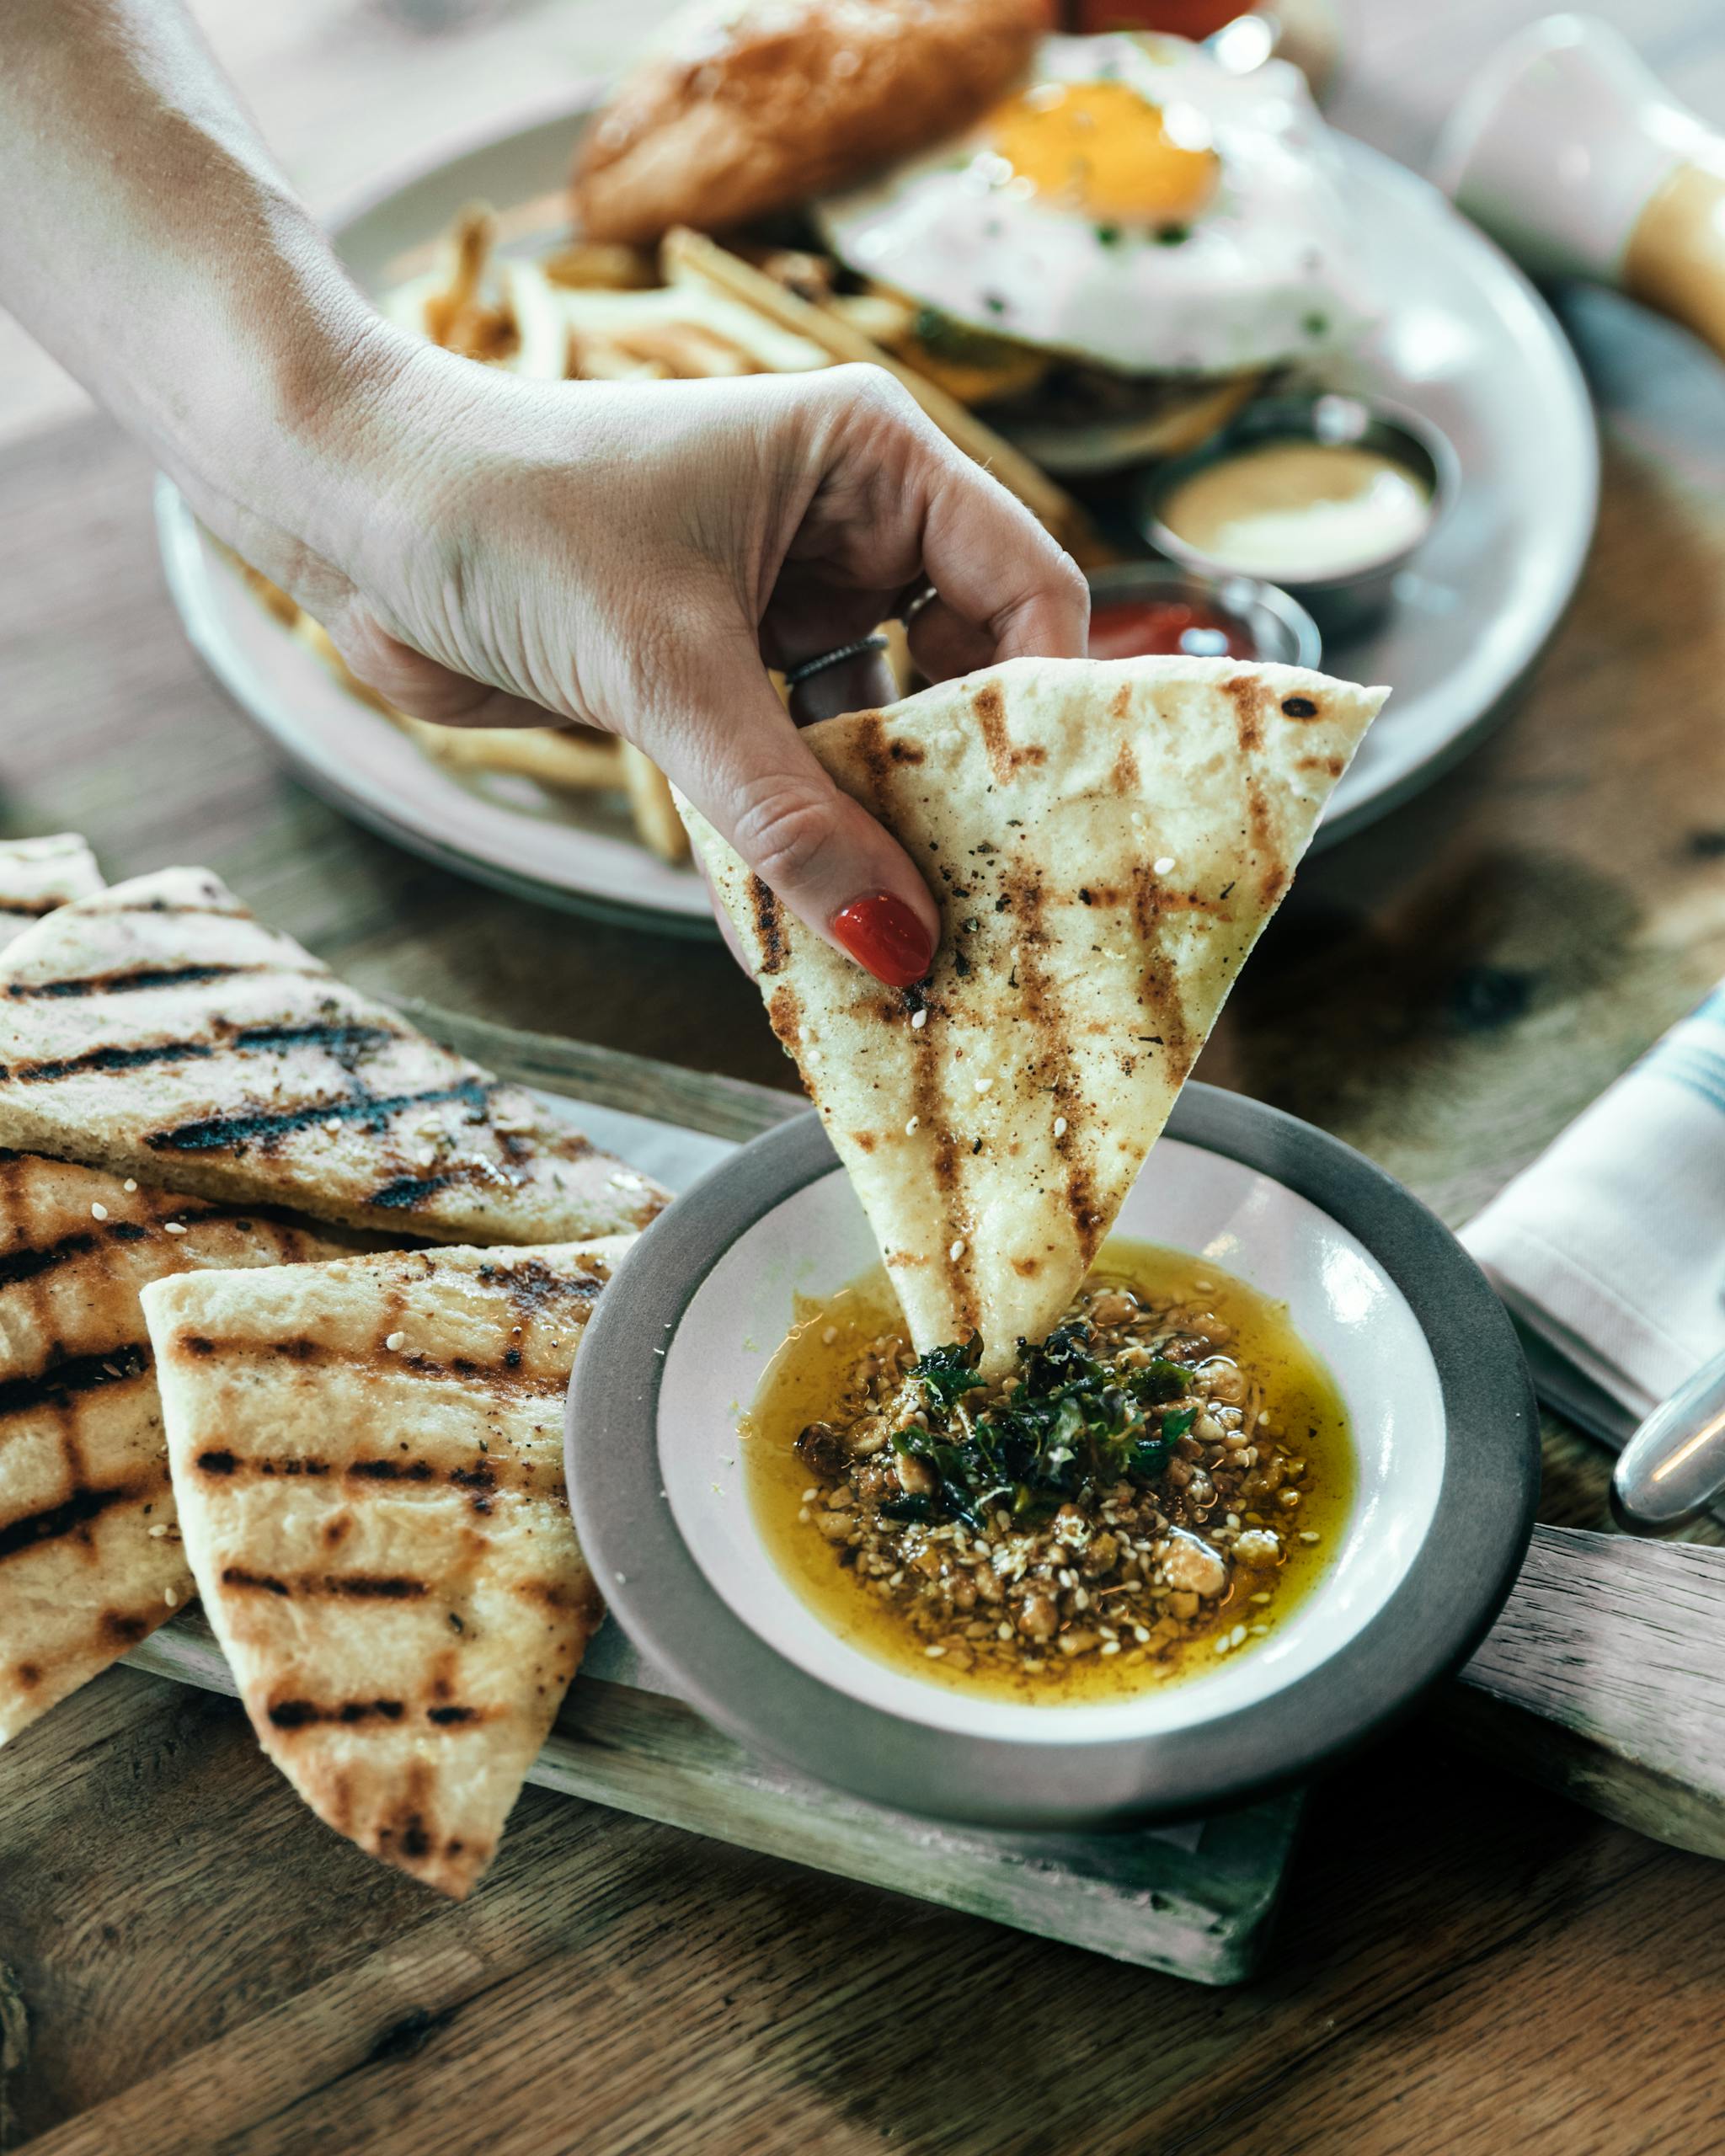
[84, 1506]
[59, 1384]
[134, 979]
[158, 1029]
[90, 1560]
[730, 120]
[505, 1378]
[232, 1132]
[1104, 841]
[359, 1586]
[368, 1459]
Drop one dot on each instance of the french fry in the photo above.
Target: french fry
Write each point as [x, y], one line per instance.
[596, 265]
[656, 818]
[454, 317]
[691, 255]
[317, 638]
[572, 760]
[568, 762]
[286, 610]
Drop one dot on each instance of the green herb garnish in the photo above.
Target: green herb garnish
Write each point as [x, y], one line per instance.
[1069, 1426]
[945, 1372]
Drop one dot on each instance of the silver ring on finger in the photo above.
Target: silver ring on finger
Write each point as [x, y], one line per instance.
[805, 669]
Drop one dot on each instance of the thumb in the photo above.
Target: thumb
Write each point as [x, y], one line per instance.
[743, 763]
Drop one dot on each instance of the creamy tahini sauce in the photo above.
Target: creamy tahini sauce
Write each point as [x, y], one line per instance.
[1290, 511]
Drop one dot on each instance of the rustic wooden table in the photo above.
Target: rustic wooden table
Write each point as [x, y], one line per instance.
[189, 1960]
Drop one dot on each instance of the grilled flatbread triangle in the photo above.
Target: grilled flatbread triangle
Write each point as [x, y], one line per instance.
[1105, 841]
[368, 1458]
[90, 1560]
[37, 875]
[158, 1029]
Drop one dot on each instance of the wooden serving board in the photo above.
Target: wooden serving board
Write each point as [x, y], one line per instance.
[1195, 1901]
[1601, 1677]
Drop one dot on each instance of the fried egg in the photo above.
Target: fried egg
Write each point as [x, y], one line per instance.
[1138, 205]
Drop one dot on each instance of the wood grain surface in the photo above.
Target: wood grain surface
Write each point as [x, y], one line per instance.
[1466, 1963]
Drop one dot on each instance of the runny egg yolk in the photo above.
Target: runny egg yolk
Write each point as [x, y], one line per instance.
[1101, 148]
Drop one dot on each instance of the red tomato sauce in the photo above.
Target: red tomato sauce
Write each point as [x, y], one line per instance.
[1135, 628]
[1193, 18]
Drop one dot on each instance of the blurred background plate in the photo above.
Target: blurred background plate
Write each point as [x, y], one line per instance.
[1466, 341]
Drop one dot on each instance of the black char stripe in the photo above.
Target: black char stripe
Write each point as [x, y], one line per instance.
[126, 979]
[107, 1058]
[406, 1191]
[35, 1528]
[61, 1383]
[29, 1264]
[354, 1586]
[342, 1042]
[299, 1713]
[213, 1134]
[222, 1462]
[325, 1034]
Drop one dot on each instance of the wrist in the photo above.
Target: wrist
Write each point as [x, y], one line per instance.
[278, 427]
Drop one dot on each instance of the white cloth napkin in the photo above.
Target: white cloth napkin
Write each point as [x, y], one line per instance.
[1610, 1249]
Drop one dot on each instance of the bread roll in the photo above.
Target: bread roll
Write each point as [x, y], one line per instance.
[745, 109]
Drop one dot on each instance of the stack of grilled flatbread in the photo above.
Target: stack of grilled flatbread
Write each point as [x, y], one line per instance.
[191, 1102]
[158, 1030]
[90, 1558]
[369, 1461]
[1104, 841]
[222, 1151]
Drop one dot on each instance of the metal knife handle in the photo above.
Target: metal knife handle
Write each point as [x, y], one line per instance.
[1673, 1469]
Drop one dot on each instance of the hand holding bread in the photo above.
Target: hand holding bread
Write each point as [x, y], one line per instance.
[636, 556]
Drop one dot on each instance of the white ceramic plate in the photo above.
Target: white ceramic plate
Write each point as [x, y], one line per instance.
[1466, 344]
[1442, 1422]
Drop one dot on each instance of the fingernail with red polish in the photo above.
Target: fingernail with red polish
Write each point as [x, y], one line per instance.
[883, 934]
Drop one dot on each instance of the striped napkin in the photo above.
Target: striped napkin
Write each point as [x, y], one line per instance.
[1610, 1249]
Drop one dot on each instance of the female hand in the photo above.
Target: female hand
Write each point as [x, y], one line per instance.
[487, 549]
[635, 557]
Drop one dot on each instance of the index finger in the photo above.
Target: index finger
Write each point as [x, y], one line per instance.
[997, 569]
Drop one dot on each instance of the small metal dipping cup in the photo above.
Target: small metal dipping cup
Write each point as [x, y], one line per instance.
[1348, 601]
[1278, 627]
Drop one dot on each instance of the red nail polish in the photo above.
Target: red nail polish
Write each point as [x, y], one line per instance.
[883, 934]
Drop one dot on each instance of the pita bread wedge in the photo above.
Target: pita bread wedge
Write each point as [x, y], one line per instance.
[37, 875]
[156, 1029]
[1105, 840]
[368, 1458]
[90, 1559]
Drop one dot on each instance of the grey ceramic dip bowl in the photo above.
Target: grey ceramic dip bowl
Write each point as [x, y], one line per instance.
[1447, 1469]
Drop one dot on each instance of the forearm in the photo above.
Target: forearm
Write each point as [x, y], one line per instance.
[150, 244]
[485, 549]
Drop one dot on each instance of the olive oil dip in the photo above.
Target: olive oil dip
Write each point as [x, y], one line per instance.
[1153, 1487]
